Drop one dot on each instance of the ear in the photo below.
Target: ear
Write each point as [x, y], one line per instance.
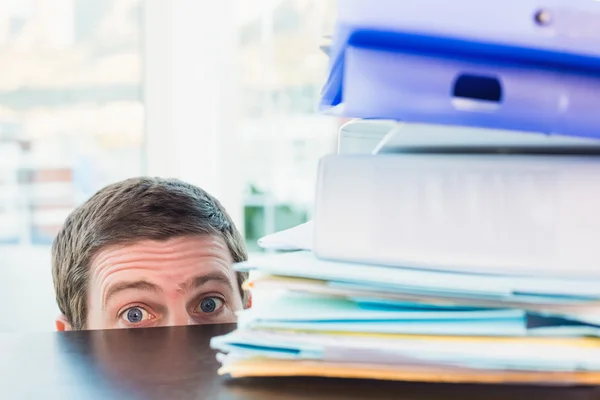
[62, 324]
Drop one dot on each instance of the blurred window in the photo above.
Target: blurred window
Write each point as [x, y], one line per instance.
[71, 121]
[282, 134]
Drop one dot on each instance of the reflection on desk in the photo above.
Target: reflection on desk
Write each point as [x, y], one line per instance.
[177, 363]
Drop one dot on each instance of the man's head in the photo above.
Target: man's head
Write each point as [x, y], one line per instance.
[148, 252]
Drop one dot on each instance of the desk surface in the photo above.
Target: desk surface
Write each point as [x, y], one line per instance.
[177, 363]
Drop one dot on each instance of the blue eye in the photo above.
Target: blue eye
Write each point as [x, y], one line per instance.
[210, 304]
[135, 315]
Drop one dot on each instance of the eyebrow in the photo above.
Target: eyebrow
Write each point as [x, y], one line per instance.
[199, 281]
[122, 286]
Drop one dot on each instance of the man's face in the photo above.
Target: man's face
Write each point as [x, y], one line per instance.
[181, 281]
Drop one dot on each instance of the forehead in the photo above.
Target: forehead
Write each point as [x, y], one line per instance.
[174, 259]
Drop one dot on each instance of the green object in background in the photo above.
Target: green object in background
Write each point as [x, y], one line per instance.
[254, 226]
[285, 216]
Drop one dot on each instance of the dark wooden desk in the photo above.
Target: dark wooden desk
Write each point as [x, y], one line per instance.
[177, 363]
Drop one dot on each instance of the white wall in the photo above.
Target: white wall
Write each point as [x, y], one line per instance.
[190, 96]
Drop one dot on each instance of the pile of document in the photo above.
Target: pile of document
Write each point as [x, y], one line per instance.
[325, 318]
[464, 249]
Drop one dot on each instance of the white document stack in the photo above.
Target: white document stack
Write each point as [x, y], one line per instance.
[456, 253]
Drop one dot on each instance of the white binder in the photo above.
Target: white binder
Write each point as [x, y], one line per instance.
[468, 200]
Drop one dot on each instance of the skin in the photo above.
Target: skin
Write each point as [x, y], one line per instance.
[180, 281]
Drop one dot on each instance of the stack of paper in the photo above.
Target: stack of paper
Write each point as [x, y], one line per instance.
[324, 318]
[464, 258]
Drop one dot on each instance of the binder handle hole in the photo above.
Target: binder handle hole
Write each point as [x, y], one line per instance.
[476, 92]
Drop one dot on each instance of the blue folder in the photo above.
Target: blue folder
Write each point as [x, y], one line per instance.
[417, 77]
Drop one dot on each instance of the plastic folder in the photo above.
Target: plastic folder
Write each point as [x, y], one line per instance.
[423, 281]
[544, 82]
[531, 354]
[271, 368]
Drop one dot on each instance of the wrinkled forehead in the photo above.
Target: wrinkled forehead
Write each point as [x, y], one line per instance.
[174, 258]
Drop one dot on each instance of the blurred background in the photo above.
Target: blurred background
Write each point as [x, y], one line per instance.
[221, 94]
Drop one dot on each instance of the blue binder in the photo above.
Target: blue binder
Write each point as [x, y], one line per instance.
[415, 76]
